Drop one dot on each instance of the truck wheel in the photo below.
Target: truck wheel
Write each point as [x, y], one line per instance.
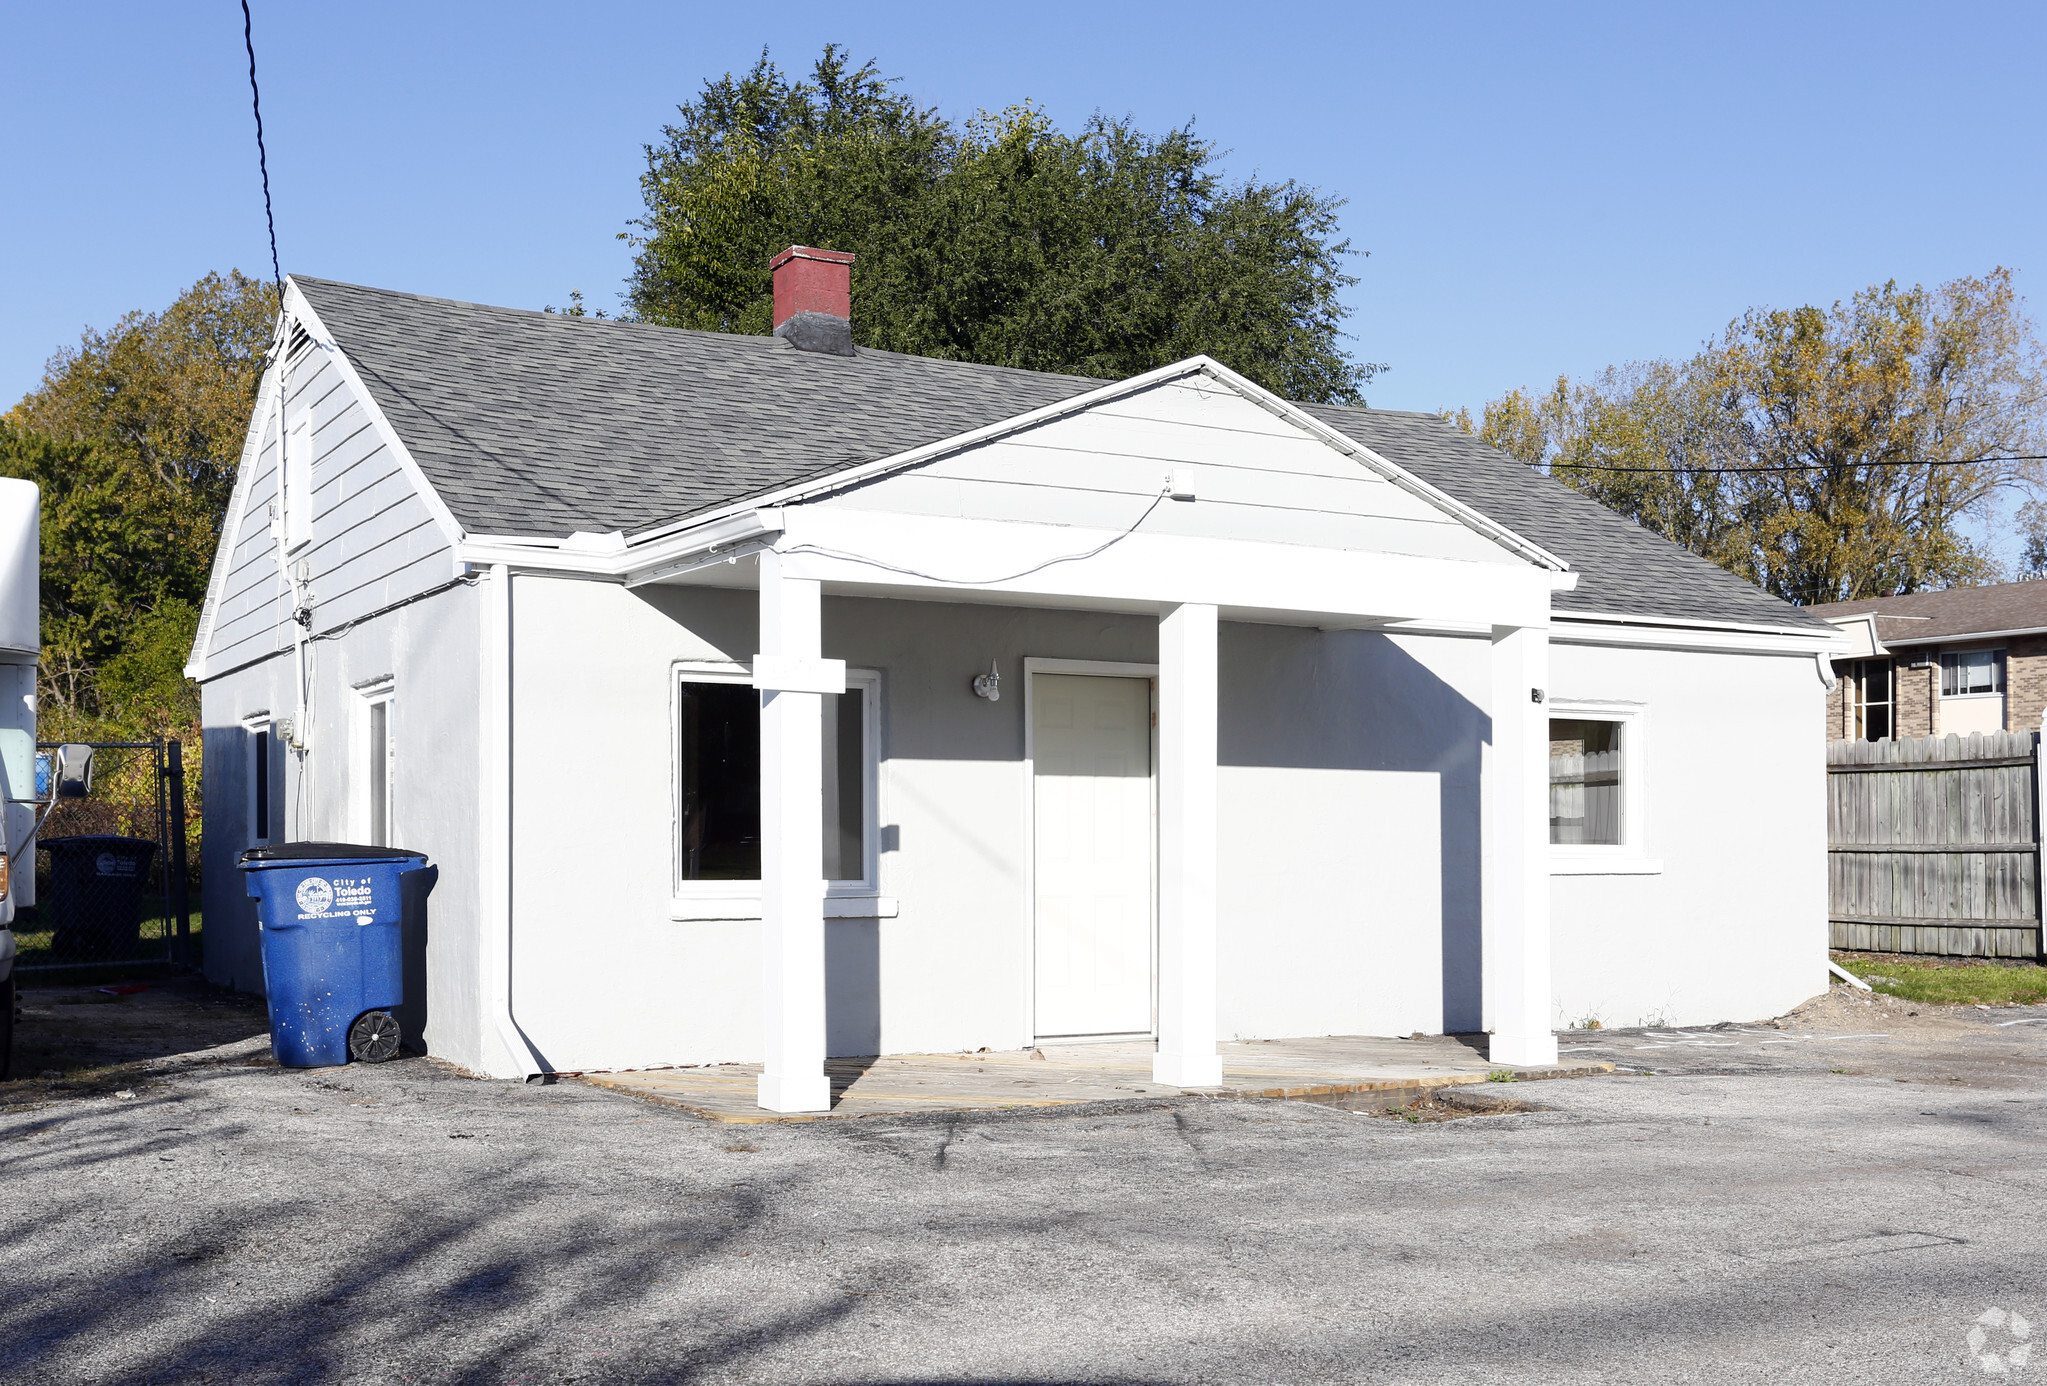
[373, 1038]
[6, 1027]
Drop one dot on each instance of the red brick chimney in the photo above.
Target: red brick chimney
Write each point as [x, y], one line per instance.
[812, 281]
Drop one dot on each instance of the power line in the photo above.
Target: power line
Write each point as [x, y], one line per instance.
[1792, 466]
[262, 158]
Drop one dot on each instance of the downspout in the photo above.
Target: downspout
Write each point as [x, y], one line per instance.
[495, 853]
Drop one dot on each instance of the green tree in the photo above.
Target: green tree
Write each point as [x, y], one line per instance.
[134, 438]
[1826, 454]
[1105, 253]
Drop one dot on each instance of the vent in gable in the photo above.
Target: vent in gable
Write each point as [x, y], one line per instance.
[301, 342]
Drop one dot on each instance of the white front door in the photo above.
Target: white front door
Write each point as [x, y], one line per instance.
[1091, 745]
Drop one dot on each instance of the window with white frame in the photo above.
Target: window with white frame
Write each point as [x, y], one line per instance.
[717, 783]
[1872, 687]
[1971, 673]
[1597, 795]
[376, 760]
[259, 770]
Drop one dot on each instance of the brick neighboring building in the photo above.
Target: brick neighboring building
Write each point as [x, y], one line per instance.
[1964, 660]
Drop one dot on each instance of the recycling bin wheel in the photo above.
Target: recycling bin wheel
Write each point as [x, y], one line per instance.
[373, 1038]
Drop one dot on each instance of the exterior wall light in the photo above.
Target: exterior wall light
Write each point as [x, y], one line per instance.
[989, 685]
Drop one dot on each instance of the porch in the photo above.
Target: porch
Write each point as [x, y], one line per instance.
[1351, 1071]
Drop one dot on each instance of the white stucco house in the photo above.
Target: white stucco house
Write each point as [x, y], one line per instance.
[764, 698]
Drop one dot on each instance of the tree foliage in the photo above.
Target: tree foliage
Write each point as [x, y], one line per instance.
[134, 437]
[1827, 454]
[1105, 252]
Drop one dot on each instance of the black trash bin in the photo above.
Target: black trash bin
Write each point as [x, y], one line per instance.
[94, 908]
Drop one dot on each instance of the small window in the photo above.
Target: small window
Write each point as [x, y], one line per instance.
[260, 767]
[1585, 782]
[375, 766]
[718, 773]
[1965, 673]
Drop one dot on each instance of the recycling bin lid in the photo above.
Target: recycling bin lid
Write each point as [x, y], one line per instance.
[323, 851]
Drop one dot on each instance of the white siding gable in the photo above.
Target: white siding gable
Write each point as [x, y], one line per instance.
[1257, 476]
[374, 538]
[245, 614]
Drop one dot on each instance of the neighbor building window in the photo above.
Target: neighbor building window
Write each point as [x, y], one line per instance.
[1585, 782]
[1967, 672]
[718, 775]
[1873, 688]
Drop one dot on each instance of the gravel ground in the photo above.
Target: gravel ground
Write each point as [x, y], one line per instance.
[1839, 1199]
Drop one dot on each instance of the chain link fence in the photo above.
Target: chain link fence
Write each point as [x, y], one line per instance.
[110, 886]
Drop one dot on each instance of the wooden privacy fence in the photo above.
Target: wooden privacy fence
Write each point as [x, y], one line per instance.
[1933, 845]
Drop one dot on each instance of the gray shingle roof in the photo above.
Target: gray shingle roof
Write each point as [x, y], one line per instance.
[539, 424]
[1622, 568]
[1955, 613]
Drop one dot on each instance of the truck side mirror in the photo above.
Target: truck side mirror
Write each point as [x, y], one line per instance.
[73, 772]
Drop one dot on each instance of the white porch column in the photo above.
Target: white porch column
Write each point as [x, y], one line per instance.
[1515, 842]
[790, 675]
[1187, 845]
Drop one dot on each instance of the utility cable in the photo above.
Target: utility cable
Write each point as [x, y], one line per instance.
[262, 158]
[1102, 547]
[1791, 466]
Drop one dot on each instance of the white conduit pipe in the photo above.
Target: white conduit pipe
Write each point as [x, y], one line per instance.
[497, 856]
[1846, 976]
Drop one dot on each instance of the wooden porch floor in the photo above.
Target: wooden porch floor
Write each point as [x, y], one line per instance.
[1344, 1070]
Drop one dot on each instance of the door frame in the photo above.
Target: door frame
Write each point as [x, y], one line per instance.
[1096, 668]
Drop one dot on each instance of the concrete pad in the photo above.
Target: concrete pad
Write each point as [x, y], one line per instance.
[1345, 1070]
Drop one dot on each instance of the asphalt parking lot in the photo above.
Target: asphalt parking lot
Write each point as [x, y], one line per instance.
[1845, 1198]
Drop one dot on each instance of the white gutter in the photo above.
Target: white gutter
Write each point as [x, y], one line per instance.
[642, 562]
[1959, 636]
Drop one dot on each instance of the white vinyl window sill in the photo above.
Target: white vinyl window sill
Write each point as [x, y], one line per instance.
[1616, 863]
[748, 906]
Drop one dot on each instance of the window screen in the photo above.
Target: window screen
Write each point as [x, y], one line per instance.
[379, 767]
[259, 784]
[720, 770]
[1584, 782]
[719, 773]
[1964, 672]
[845, 786]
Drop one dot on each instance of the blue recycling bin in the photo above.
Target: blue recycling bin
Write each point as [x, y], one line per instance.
[331, 915]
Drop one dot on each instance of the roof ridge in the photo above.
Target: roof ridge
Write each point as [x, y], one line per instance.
[575, 323]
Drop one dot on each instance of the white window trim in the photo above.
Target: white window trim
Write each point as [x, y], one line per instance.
[2003, 667]
[368, 695]
[257, 726]
[1630, 857]
[718, 900]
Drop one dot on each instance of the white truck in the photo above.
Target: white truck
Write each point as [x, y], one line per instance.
[20, 646]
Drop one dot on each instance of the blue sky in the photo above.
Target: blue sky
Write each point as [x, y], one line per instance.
[1543, 189]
